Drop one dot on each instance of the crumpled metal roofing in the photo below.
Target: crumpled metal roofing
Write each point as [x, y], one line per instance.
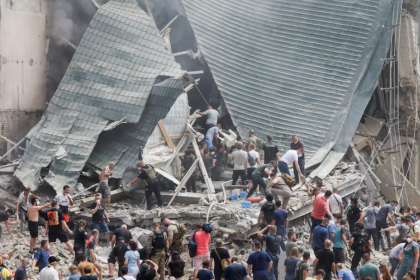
[284, 67]
[118, 70]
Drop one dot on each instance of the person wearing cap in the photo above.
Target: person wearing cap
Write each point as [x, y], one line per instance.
[185, 167]
[148, 271]
[4, 217]
[218, 255]
[302, 267]
[296, 145]
[360, 244]
[50, 273]
[343, 272]
[355, 215]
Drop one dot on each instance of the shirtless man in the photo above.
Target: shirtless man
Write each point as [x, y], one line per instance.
[103, 184]
[33, 214]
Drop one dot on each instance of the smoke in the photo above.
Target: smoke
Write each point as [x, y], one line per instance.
[68, 20]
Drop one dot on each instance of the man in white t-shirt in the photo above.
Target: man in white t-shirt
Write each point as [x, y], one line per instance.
[291, 156]
[64, 200]
[123, 273]
[238, 158]
[251, 168]
[336, 203]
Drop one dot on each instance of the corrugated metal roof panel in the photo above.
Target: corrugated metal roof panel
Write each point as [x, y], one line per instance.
[289, 67]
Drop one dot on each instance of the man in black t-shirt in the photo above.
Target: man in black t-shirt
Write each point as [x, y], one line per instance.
[325, 259]
[185, 166]
[147, 272]
[355, 214]
[218, 255]
[4, 217]
[56, 227]
[270, 151]
[121, 232]
[267, 210]
[148, 173]
[359, 244]
[99, 215]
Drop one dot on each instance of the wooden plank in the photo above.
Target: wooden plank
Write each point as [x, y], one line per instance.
[174, 137]
[166, 135]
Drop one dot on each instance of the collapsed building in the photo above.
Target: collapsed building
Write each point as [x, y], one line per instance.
[341, 75]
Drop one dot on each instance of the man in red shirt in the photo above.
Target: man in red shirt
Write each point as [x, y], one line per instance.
[320, 208]
[202, 239]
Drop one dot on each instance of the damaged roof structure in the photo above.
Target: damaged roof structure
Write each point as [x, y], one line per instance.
[121, 75]
[297, 67]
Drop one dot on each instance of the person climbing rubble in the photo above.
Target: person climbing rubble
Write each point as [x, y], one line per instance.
[64, 201]
[296, 145]
[158, 247]
[212, 135]
[103, 184]
[148, 173]
[176, 233]
[56, 227]
[278, 187]
[258, 177]
[360, 244]
[41, 256]
[100, 218]
[4, 217]
[212, 117]
[22, 205]
[33, 224]
[384, 213]
[267, 211]
[252, 162]
[320, 208]
[291, 156]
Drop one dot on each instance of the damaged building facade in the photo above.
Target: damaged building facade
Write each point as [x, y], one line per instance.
[341, 75]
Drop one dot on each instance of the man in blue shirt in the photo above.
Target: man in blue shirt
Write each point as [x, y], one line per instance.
[260, 263]
[272, 248]
[42, 256]
[281, 221]
[344, 273]
[332, 226]
[235, 271]
[319, 235]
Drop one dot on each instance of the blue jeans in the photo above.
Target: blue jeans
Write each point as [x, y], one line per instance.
[256, 180]
[274, 272]
[394, 263]
[101, 227]
[261, 275]
[283, 167]
[208, 143]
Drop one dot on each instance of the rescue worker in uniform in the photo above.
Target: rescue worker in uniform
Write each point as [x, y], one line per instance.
[176, 233]
[148, 173]
[360, 244]
[158, 247]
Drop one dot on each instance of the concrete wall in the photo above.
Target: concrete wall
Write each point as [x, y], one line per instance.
[23, 68]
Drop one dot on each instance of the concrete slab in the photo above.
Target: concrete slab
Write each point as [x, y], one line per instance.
[183, 198]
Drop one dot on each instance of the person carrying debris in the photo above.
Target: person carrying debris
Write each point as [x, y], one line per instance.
[33, 217]
[274, 242]
[212, 135]
[239, 160]
[176, 233]
[385, 212]
[4, 217]
[291, 156]
[259, 263]
[212, 117]
[158, 247]
[148, 173]
[296, 145]
[103, 184]
[100, 218]
[360, 244]
[64, 200]
[270, 151]
[257, 177]
[56, 227]
[22, 205]
[280, 188]
[185, 167]
[355, 215]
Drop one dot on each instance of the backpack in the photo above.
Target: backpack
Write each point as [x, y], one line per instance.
[277, 242]
[362, 240]
[41, 256]
[192, 247]
[207, 228]
[251, 160]
[289, 180]
[159, 242]
[224, 262]
[182, 230]
[259, 144]
[298, 265]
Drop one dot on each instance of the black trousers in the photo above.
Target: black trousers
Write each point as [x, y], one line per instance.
[153, 187]
[356, 259]
[372, 232]
[239, 173]
[190, 184]
[340, 255]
